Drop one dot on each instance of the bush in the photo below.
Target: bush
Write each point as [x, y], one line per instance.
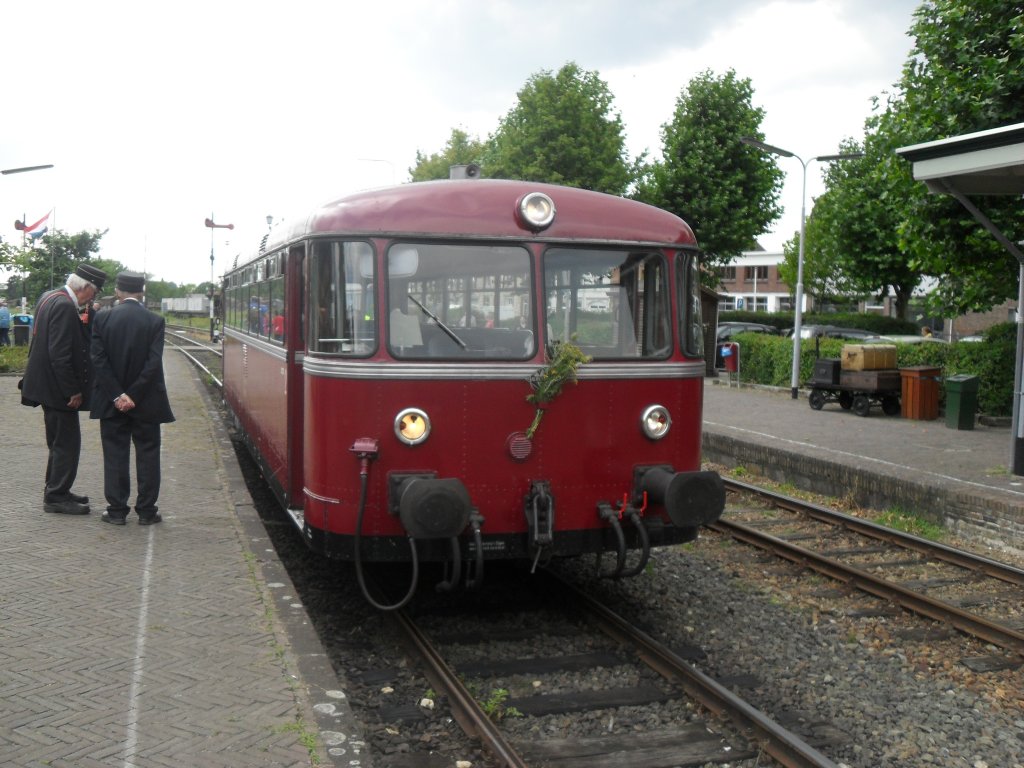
[13, 359]
[992, 361]
[766, 359]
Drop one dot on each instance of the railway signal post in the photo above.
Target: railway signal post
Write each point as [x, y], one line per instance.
[209, 223]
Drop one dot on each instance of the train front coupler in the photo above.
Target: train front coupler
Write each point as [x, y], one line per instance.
[429, 508]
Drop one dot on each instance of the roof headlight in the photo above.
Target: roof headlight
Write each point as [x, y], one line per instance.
[655, 421]
[412, 426]
[536, 211]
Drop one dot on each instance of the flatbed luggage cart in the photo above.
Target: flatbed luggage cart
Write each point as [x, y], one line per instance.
[854, 390]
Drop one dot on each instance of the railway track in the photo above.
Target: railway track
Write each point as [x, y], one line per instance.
[201, 354]
[616, 669]
[976, 595]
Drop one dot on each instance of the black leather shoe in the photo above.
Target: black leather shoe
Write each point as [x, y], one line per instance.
[112, 519]
[65, 508]
[150, 519]
[78, 499]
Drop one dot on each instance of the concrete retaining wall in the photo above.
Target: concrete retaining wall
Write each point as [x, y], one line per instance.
[971, 511]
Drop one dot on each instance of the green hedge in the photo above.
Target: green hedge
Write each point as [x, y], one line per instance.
[13, 359]
[766, 359]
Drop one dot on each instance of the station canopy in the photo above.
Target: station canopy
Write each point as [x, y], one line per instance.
[983, 163]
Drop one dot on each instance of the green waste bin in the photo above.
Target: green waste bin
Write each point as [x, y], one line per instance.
[22, 327]
[961, 401]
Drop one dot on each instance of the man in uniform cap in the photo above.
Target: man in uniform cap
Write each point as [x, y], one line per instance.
[58, 376]
[130, 399]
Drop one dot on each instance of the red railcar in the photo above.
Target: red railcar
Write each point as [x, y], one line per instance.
[393, 363]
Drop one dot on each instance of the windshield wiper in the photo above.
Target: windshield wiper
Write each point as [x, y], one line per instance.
[436, 319]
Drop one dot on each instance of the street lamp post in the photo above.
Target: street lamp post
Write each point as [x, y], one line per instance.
[798, 312]
[209, 223]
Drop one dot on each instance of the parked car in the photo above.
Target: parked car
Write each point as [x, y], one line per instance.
[910, 338]
[729, 329]
[833, 332]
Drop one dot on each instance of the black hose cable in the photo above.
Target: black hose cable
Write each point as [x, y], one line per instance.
[454, 566]
[363, 481]
[645, 546]
[610, 516]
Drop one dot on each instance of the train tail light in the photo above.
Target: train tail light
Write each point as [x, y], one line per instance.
[691, 499]
[430, 507]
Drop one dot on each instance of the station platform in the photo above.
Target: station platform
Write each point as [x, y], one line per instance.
[177, 644]
[958, 477]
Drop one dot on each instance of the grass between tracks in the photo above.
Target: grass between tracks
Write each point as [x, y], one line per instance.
[895, 517]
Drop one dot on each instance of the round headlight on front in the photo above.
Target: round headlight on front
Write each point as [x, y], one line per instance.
[412, 426]
[656, 422]
[536, 210]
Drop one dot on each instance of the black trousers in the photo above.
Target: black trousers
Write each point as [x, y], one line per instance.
[64, 441]
[118, 434]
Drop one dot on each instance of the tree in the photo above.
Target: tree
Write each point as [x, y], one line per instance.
[460, 150]
[962, 76]
[856, 223]
[55, 256]
[562, 131]
[157, 290]
[822, 281]
[727, 192]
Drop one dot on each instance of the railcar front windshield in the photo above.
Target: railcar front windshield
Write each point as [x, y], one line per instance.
[464, 302]
[611, 303]
[460, 302]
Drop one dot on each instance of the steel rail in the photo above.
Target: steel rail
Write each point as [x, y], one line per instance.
[199, 365]
[934, 550]
[470, 716]
[978, 626]
[783, 745]
[173, 331]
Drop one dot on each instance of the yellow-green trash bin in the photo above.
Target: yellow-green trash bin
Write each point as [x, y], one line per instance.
[961, 401]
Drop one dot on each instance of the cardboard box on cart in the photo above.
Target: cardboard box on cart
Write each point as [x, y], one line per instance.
[868, 357]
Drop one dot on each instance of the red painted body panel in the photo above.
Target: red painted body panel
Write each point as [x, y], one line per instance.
[256, 388]
[587, 445]
[486, 207]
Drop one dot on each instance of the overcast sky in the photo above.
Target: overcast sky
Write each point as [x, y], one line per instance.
[157, 115]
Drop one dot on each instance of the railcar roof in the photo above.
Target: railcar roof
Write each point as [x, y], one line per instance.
[486, 207]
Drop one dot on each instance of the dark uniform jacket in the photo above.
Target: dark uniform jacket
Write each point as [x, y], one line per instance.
[127, 353]
[58, 358]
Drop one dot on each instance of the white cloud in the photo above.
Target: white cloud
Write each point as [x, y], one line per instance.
[157, 116]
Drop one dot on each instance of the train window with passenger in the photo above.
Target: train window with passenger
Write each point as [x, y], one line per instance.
[341, 316]
[274, 326]
[460, 302]
[613, 304]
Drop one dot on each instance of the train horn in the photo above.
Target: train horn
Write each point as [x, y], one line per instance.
[691, 499]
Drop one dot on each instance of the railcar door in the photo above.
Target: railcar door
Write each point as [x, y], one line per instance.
[294, 336]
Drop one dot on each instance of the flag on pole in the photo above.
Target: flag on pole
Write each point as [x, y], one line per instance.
[37, 230]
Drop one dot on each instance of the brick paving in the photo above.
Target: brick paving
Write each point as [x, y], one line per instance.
[165, 645]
